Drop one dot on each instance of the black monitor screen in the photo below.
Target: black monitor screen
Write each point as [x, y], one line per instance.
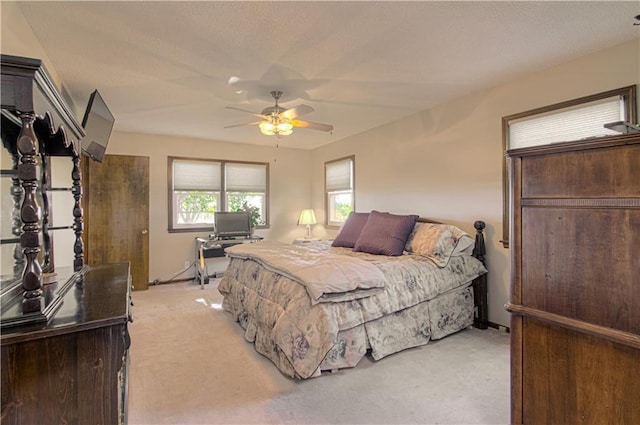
[232, 224]
[98, 123]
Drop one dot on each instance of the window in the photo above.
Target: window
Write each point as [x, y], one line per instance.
[573, 120]
[339, 183]
[246, 183]
[198, 188]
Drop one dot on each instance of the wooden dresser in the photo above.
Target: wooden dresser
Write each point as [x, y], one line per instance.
[575, 283]
[72, 369]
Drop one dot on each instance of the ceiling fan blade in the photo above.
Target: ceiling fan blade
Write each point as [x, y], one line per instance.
[312, 125]
[297, 112]
[248, 112]
[243, 125]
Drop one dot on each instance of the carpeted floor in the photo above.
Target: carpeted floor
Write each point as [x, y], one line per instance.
[190, 364]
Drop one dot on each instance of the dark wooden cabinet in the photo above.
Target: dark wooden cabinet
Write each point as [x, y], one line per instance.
[36, 126]
[73, 369]
[575, 294]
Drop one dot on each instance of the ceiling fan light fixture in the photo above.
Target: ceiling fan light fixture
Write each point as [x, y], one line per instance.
[275, 126]
[281, 121]
[285, 128]
[267, 128]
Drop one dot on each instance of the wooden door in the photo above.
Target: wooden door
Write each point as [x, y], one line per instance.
[116, 207]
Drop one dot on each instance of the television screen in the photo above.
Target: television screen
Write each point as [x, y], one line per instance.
[97, 123]
[232, 224]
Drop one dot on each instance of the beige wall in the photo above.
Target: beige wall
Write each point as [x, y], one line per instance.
[445, 163]
[17, 39]
[289, 191]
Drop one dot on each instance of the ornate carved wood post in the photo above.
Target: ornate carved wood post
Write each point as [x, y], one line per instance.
[47, 261]
[78, 224]
[16, 222]
[30, 215]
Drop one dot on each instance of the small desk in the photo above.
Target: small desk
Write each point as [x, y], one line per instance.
[214, 248]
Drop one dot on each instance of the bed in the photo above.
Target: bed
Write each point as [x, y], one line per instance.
[385, 284]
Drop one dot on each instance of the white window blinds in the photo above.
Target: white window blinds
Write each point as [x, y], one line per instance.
[339, 175]
[196, 175]
[567, 124]
[246, 177]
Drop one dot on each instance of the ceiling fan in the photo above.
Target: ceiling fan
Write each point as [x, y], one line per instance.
[280, 121]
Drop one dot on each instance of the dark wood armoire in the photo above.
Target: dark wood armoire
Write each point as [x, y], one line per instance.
[64, 336]
[575, 282]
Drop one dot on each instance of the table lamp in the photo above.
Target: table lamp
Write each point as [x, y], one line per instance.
[307, 218]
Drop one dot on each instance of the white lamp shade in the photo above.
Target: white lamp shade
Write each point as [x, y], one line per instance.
[307, 217]
[284, 126]
[285, 132]
[267, 128]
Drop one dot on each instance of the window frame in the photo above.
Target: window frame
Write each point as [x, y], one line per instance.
[337, 224]
[628, 95]
[223, 203]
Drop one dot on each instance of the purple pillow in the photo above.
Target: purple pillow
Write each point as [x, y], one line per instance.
[351, 229]
[385, 233]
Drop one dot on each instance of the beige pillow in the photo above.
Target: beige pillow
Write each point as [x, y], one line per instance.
[439, 242]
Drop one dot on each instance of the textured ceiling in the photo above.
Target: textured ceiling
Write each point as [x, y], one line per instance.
[165, 67]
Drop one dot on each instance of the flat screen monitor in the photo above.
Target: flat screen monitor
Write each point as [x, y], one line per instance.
[232, 224]
[98, 123]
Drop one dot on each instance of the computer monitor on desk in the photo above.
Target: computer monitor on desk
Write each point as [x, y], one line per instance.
[232, 225]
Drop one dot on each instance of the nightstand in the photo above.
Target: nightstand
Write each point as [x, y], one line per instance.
[302, 241]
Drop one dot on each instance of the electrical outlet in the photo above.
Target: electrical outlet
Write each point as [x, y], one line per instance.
[187, 264]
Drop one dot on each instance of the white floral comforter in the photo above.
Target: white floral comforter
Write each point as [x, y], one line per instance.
[285, 326]
[328, 277]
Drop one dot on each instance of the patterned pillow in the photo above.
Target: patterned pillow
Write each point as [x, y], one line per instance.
[385, 234]
[439, 242]
[351, 229]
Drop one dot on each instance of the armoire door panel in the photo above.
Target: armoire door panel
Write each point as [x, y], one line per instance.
[583, 264]
[570, 377]
[612, 172]
[575, 288]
